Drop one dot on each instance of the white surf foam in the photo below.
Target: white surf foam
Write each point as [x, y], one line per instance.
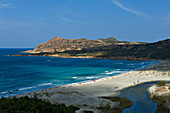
[4, 92]
[112, 72]
[89, 77]
[45, 84]
[21, 89]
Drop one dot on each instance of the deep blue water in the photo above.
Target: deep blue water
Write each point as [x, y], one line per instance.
[22, 73]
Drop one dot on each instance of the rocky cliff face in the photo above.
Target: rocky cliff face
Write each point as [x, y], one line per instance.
[57, 44]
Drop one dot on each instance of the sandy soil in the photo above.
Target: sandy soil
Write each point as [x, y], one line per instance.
[160, 91]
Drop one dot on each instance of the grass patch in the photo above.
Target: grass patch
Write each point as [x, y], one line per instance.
[162, 83]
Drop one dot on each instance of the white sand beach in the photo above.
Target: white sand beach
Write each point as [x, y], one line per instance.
[87, 93]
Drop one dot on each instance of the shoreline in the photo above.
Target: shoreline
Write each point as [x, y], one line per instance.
[87, 95]
[92, 81]
[97, 81]
[85, 81]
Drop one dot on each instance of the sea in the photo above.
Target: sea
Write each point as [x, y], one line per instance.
[21, 74]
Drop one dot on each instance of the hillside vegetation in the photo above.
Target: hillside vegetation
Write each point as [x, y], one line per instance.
[155, 51]
[58, 44]
[109, 48]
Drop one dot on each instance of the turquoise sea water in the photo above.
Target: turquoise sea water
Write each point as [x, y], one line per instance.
[21, 74]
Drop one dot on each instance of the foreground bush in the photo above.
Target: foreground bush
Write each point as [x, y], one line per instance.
[32, 105]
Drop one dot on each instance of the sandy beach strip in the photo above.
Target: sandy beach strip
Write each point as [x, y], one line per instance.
[110, 85]
[86, 95]
[102, 87]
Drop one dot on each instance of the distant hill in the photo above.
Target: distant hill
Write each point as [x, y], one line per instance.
[58, 44]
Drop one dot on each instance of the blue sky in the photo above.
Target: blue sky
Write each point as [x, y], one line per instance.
[26, 23]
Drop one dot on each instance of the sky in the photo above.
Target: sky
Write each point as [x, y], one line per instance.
[26, 23]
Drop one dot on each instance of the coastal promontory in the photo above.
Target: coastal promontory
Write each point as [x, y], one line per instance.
[109, 48]
[58, 44]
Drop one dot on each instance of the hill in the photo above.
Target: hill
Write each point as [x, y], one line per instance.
[58, 44]
[155, 51]
[109, 48]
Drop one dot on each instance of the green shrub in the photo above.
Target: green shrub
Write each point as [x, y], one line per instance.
[162, 83]
[32, 105]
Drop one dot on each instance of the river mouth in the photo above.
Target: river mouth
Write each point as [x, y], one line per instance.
[139, 95]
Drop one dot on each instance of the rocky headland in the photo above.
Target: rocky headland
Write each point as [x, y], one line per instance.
[109, 48]
[58, 44]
